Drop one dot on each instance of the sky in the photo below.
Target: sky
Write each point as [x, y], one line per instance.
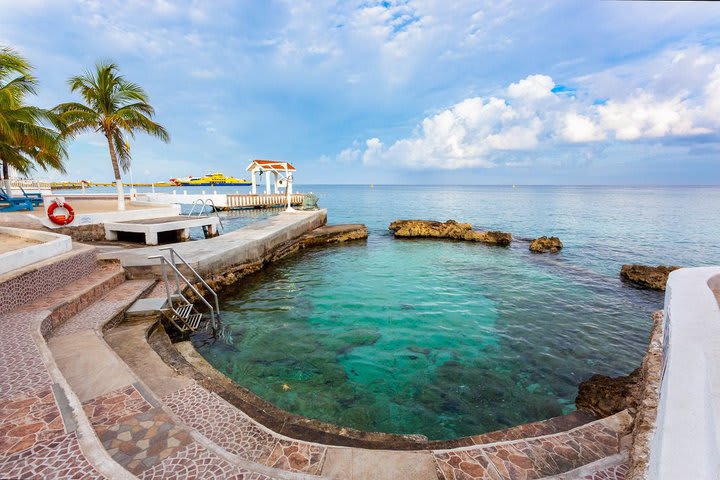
[396, 92]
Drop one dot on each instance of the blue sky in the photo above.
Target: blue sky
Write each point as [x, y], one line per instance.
[462, 92]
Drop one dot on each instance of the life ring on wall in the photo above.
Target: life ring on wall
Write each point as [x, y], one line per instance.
[61, 219]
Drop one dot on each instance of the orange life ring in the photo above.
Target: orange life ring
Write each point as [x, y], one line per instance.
[61, 219]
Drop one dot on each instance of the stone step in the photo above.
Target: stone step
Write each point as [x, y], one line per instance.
[537, 457]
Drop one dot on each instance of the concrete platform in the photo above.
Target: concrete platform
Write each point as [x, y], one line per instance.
[218, 254]
[150, 227]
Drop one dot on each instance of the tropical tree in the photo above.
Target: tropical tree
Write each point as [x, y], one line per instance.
[114, 107]
[28, 134]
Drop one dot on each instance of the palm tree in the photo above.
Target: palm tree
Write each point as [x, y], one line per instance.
[114, 107]
[26, 140]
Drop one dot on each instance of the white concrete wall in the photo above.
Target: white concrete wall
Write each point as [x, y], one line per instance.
[162, 210]
[687, 434]
[52, 245]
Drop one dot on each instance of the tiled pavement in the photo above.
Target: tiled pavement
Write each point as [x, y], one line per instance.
[539, 457]
[144, 438]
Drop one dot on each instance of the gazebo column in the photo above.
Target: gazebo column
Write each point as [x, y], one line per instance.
[268, 190]
[277, 187]
[254, 183]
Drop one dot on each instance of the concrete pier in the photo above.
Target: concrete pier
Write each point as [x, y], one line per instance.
[217, 254]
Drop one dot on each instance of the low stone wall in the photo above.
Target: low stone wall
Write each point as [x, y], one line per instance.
[648, 397]
[24, 285]
[84, 233]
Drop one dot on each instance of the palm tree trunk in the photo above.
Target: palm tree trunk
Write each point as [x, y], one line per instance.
[6, 176]
[116, 171]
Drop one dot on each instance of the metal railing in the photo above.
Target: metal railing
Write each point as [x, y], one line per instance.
[171, 263]
[205, 203]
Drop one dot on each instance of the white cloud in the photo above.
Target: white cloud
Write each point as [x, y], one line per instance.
[579, 128]
[532, 88]
[478, 131]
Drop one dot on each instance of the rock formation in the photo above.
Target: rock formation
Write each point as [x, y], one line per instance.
[546, 244]
[604, 396]
[449, 229]
[333, 234]
[646, 276]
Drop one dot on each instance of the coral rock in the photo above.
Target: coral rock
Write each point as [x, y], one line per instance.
[546, 244]
[450, 229]
[648, 277]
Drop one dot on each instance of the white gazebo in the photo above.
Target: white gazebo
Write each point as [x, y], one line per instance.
[275, 167]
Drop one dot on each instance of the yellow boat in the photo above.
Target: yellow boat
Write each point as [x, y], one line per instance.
[213, 179]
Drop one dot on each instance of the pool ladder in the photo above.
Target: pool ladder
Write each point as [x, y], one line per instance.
[206, 203]
[180, 311]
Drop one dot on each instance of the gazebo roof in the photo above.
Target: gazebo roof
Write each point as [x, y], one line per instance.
[270, 165]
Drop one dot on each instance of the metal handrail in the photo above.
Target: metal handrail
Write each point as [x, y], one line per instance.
[173, 253]
[210, 202]
[205, 203]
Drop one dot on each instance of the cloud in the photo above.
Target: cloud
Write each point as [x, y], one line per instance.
[579, 128]
[534, 115]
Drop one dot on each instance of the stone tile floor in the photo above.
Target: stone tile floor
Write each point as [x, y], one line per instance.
[615, 472]
[234, 431]
[533, 458]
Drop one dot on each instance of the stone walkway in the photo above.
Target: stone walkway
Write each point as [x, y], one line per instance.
[72, 407]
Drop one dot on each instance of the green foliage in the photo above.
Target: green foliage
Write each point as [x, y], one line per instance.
[29, 135]
[113, 106]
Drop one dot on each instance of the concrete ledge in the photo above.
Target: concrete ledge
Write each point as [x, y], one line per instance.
[51, 245]
[219, 254]
[687, 433]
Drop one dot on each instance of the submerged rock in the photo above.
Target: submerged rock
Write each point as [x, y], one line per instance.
[546, 245]
[333, 234]
[450, 229]
[646, 276]
[604, 396]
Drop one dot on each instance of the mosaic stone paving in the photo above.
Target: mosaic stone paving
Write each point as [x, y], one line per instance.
[29, 286]
[536, 429]
[108, 307]
[235, 432]
[21, 369]
[33, 441]
[29, 419]
[57, 458]
[531, 458]
[135, 434]
[615, 472]
[193, 462]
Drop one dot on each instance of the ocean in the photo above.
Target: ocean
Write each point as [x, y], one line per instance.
[446, 338]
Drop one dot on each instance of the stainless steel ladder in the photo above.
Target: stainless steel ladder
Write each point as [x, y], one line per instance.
[180, 311]
[206, 203]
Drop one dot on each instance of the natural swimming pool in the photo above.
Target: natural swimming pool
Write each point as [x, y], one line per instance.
[435, 337]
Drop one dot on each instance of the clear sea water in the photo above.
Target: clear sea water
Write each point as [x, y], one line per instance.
[447, 338]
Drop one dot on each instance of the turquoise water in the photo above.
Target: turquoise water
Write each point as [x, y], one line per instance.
[448, 338]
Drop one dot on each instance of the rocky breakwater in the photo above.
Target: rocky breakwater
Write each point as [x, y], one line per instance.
[546, 245]
[450, 229]
[647, 277]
